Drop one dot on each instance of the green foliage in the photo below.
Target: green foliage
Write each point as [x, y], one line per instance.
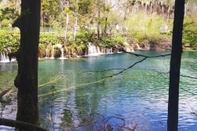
[42, 47]
[8, 13]
[145, 28]
[190, 37]
[9, 39]
[109, 42]
[190, 22]
[85, 36]
[52, 38]
[142, 28]
[113, 41]
[118, 39]
[85, 6]
[190, 30]
[82, 37]
[5, 23]
[12, 39]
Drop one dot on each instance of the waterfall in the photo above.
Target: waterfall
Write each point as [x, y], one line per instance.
[102, 50]
[109, 51]
[4, 56]
[138, 47]
[127, 47]
[98, 50]
[62, 53]
[93, 50]
[52, 52]
[46, 53]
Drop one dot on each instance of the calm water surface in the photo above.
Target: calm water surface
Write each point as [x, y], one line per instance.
[85, 93]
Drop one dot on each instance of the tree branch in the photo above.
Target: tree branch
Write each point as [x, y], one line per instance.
[138, 55]
[20, 124]
[188, 91]
[191, 77]
[4, 92]
[127, 68]
[163, 55]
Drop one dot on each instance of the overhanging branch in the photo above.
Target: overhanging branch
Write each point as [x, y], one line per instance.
[127, 68]
[163, 55]
[20, 124]
[138, 55]
[186, 76]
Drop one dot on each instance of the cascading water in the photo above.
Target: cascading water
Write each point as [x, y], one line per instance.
[109, 51]
[127, 47]
[46, 53]
[95, 50]
[138, 47]
[98, 50]
[62, 53]
[52, 52]
[4, 57]
[92, 49]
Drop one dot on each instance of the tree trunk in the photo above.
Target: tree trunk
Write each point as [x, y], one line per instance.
[175, 64]
[27, 56]
[105, 28]
[75, 28]
[67, 21]
[98, 24]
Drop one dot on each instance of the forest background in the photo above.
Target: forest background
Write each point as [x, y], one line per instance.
[105, 23]
[26, 86]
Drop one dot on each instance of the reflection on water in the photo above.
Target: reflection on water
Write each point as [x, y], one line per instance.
[135, 98]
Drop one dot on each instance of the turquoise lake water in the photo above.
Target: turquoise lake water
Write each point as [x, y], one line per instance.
[88, 94]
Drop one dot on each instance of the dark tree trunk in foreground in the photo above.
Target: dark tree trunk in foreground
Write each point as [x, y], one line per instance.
[27, 56]
[175, 64]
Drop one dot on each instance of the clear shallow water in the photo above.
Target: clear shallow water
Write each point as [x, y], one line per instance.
[84, 99]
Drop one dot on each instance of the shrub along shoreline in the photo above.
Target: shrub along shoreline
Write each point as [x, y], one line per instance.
[54, 41]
